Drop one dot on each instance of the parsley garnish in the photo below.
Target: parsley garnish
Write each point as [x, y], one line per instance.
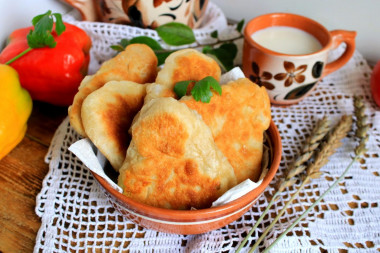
[41, 35]
[201, 90]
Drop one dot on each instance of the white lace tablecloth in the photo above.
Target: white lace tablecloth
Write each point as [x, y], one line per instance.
[77, 217]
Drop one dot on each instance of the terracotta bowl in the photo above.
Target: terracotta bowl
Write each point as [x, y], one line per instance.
[193, 221]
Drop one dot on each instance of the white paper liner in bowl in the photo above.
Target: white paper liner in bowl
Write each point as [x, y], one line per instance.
[85, 150]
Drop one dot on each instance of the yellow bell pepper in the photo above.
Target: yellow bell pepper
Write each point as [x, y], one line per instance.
[15, 108]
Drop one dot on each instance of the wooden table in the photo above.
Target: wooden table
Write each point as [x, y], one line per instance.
[21, 175]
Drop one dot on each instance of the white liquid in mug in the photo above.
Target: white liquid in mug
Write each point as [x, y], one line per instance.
[287, 40]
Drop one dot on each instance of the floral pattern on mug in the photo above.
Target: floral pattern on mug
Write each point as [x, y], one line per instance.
[292, 74]
[299, 91]
[259, 79]
[317, 69]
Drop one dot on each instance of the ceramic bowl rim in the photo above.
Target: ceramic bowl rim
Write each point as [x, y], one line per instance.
[207, 213]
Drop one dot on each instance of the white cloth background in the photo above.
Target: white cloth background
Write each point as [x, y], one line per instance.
[77, 217]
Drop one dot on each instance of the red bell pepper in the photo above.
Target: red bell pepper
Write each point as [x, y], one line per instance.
[49, 74]
[375, 83]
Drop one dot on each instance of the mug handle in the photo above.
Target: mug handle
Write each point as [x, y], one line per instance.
[339, 36]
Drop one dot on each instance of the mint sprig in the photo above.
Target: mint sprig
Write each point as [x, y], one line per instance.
[201, 90]
[41, 35]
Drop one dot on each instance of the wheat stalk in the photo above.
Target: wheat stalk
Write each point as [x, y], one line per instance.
[296, 168]
[360, 133]
[308, 150]
[328, 148]
[361, 126]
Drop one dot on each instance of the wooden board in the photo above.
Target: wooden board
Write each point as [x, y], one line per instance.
[21, 175]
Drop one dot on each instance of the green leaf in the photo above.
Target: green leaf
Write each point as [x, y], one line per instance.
[214, 34]
[121, 46]
[214, 84]
[36, 40]
[37, 18]
[124, 43]
[118, 48]
[180, 88]
[239, 26]
[44, 25]
[161, 57]
[42, 36]
[49, 41]
[59, 25]
[225, 55]
[176, 34]
[230, 48]
[201, 90]
[153, 44]
[31, 42]
[207, 49]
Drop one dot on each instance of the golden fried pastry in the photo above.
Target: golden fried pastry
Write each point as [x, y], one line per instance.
[136, 63]
[187, 64]
[237, 120]
[155, 90]
[172, 161]
[107, 115]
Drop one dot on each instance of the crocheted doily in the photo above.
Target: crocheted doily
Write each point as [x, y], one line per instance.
[77, 217]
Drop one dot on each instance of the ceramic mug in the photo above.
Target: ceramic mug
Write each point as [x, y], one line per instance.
[142, 13]
[289, 77]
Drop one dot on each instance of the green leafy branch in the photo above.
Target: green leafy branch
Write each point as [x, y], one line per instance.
[42, 34]
[177, 34]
